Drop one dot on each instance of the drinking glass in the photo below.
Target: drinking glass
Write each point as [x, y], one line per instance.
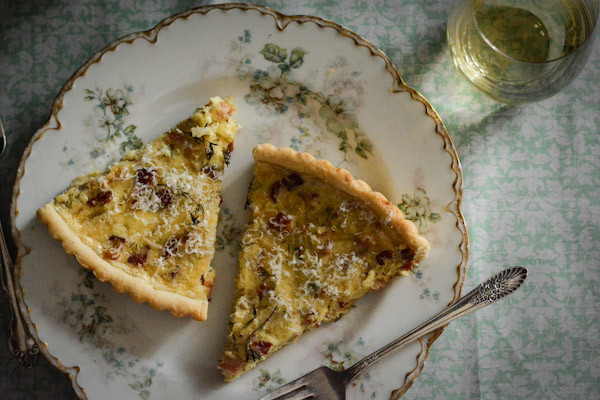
[519, 51]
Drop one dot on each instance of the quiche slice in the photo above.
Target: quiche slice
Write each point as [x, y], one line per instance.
[147, 224]
[316, 241]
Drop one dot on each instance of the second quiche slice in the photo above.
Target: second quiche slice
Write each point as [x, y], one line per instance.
[147, 224]
[317, 240]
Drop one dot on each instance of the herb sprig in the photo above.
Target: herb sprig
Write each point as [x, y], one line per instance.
[250, 352]
[195, 215]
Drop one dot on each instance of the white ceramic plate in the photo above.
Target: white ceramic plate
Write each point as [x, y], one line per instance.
[298, 81]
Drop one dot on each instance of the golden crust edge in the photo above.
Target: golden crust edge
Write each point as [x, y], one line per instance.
[139, 290]
[343, 180]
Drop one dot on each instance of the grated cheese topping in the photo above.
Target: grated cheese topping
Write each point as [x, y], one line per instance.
[309, 251]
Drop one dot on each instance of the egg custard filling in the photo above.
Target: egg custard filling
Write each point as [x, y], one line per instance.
[316, 241]
[147, 224]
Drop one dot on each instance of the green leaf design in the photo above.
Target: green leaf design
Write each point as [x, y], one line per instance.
[89, 280]
[325, 112]
[132, 143]
[219, 243]
[297, 57]
[128, 131]
[417, 208]
[266, 378]
[434, 217]
[344, 146]
[101, 316]
[144, 394]
[274, 53]
[363, 147]
[113, 109]
[283, 67]
[302, 97]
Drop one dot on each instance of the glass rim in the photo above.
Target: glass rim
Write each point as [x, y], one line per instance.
[589, 38]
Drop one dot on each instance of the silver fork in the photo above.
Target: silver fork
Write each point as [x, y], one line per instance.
[325, 383]
[20, 342]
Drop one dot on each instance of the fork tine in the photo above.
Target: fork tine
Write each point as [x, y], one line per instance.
[301, 395]
[285, 390]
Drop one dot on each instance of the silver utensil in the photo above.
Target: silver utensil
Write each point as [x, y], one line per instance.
[20, 342]
[2, 139]
[327, 384]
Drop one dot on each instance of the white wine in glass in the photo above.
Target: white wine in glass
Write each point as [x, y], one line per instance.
[519, 51]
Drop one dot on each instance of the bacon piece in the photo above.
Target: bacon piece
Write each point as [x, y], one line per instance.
[233, 367]
[165, 196]
[146, 176]
[208, 279]
[407, 255]
[138, 259]
[275, 187]
[261, 347]
[116, 240]
[263, 290]
[210, 171]
[311, 320]
[113, 253]
[100, 198]
[223, 112]
[227, 153]
[384, 255]
[281, 223]
[174, 138]
[407, 266]
[292, 180]
[175, 272]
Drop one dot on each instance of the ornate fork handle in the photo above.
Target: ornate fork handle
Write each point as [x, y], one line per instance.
[495, 288]
[20, 342]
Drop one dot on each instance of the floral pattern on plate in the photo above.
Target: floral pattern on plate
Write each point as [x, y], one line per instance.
[268, 381]
[274, 90]
[113, 107]
[91, 321]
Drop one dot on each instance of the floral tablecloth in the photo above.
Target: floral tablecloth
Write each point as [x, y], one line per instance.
[531, 188]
